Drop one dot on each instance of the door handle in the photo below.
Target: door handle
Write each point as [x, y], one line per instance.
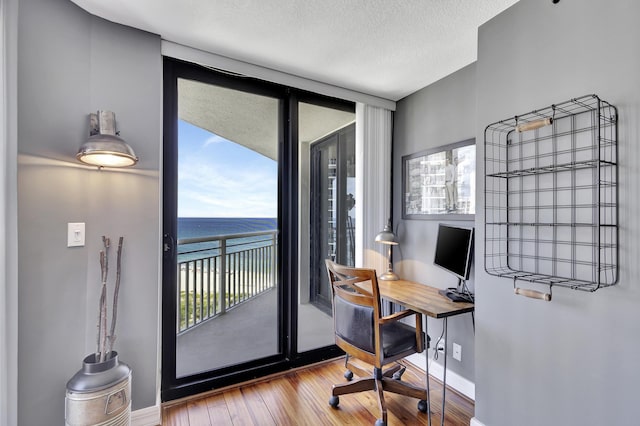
[168, 245]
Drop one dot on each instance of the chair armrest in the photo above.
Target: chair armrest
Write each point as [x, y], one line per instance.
[397, 316]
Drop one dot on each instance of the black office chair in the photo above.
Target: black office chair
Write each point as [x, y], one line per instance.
[362, 332]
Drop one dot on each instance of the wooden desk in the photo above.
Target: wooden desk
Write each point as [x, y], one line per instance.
[422, 298]
[426, 300]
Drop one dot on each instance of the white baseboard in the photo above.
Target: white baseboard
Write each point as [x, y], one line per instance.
[454, 380]
[475, 422]
[150, 416]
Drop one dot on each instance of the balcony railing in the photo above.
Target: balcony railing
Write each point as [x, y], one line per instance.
[219, 272]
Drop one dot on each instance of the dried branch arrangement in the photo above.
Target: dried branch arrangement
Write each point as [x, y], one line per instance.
[105, 341]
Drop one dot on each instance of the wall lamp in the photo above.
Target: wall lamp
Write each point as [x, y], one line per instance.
[388, 238]
[105, 148]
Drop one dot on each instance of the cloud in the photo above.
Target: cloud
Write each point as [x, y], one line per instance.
[218, 178]
[213, 139]
[215, 188]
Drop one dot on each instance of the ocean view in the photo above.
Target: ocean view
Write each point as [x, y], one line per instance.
[194, 227]
[191, 227]
[246, 267]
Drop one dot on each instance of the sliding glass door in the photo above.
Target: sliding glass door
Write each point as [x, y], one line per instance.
[232, 229]
[227, 227]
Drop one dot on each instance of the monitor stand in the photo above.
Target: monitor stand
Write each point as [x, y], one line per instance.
[458, 294]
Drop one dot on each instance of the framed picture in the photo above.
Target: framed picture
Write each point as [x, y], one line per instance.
[440, 183]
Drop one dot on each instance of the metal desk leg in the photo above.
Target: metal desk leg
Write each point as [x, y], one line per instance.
[426, 332]
[444, 373]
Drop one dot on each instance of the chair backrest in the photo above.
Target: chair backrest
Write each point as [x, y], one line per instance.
[356, 311]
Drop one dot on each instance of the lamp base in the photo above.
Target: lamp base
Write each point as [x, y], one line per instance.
[389, 276]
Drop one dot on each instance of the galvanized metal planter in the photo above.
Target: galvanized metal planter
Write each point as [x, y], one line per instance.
[99, 394]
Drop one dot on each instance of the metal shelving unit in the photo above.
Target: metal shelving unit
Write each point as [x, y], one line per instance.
[551, 196]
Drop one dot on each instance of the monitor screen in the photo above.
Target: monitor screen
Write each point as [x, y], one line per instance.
[454, 249]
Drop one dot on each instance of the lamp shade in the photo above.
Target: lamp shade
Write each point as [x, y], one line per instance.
[387, 236]
[106, 151]
[104, 148]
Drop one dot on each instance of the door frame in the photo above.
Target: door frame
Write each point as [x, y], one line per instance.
[317, 211]
[339, 137]
[288, 357]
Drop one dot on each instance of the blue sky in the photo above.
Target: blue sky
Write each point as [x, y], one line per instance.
[219, 178]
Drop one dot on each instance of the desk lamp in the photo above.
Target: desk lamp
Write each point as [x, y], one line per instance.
[389, 238]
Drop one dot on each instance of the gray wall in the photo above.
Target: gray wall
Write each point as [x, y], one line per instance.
[71, 64]
[440, 114]
[572, 361]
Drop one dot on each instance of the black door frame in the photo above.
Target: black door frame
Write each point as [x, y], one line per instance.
[317, 238]
[338, 137]
[288, 357]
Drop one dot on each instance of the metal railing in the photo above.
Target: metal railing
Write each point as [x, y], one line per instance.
[219, 272]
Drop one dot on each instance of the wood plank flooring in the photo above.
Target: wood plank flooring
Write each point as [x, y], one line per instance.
[301, 397]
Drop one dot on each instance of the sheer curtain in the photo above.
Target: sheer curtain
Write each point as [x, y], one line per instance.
[8, 214]
[373, 179]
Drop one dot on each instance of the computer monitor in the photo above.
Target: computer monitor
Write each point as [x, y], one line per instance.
[454, 251]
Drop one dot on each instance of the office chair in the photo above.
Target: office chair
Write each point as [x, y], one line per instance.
[363, 333]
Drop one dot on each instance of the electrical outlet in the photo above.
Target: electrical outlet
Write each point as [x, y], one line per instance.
[441, 345]
[457, 352]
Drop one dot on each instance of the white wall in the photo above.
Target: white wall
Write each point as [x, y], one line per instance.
[71, 64]
[572, 361]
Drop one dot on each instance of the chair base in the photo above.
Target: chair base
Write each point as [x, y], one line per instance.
[380, 382]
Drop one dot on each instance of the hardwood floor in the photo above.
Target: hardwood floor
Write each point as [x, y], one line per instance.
[301, 398]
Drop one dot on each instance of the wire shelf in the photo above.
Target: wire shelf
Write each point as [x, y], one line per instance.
[551, 195]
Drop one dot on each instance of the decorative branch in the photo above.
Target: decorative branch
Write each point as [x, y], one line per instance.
[101, 304]
[105, 339]
[114, 308]
[103, 299]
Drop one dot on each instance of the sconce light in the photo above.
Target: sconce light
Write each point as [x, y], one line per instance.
[388, 238]
[105, 148]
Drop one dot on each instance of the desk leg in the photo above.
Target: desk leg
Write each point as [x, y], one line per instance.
[426, 331]
[444, 373]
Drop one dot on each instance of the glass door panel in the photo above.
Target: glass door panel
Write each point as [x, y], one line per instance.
[327, 213]
[237, 218]
[227, 202]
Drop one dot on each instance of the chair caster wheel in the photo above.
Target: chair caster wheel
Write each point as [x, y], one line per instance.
[379, 422]
[334, 401]
[348, 375]
[423, 406]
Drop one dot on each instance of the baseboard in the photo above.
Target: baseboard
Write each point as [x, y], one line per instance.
[454, 380]
[475, 422]
[150, 416]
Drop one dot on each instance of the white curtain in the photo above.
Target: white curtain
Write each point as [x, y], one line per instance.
[8, 214]
[373, 180]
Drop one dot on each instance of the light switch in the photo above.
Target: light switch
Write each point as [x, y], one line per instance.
[75, 234]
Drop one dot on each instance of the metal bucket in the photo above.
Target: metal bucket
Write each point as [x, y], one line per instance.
[99, 394]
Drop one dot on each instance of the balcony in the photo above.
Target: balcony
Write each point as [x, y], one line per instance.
[227, 293]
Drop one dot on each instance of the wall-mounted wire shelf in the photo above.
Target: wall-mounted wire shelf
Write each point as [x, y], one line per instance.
[551, 195]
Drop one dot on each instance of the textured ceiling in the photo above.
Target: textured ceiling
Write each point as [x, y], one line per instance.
[386, 48]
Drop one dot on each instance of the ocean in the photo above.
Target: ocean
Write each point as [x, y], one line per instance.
[192, 227]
